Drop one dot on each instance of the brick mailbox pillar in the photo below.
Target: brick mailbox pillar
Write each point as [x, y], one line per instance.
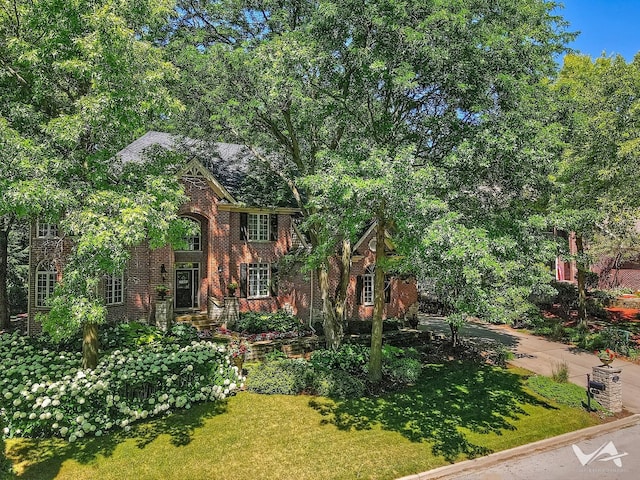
[610, 397]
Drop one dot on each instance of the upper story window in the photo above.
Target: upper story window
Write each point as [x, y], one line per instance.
[46, 279]
[47, 230]
[194, 242]
[258, 224]
[259, 227]
[114, 289]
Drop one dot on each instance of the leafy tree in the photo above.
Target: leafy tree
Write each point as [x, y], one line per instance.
[81, 79]
[315, 85]
[444, 118]
[597, 191]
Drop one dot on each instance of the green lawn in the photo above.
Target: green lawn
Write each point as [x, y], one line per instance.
[457, 411]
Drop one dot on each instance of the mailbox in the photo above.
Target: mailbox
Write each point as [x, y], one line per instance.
[596, 387]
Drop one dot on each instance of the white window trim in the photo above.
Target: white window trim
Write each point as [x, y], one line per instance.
[110, 283]
[189, 240]
[47, 230]
[257, 270]
[260, 229]
[50, 277]
[368, 289]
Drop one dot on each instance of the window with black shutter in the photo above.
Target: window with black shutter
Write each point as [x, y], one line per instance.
[243, 280]
[274, 280]
[387, 289]
[359, 290]
[273, 224]
[244, 226]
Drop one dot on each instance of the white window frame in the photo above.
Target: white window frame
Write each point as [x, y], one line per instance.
[258, 280]
[47, 230]
[367, 288]
[46, 279]
[114, 289]
[258, 227]
[192, 239]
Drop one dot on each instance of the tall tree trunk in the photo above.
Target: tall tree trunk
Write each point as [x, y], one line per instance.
[89, 345]
[375, 359]
[343, 284]
[333, 307]
[332, 325]
[582, 284]
[4, 264]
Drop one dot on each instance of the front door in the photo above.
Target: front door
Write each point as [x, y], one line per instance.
[187, 285]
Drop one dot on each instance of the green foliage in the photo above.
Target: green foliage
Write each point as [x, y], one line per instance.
[350, 358]
[337, 384]
[563, 393]
[128, 335]
[560, 372]
[287, 377]
[280, 321]
[183, 333]
[274, 355]
[47, 393]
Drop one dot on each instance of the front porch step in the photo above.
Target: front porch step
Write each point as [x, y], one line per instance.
[199, 320]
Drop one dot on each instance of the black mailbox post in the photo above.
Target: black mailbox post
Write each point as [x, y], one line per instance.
[593, 387]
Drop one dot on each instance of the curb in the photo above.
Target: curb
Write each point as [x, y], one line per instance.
[469, 466]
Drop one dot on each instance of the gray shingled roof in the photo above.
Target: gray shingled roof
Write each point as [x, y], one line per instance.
[228, 162]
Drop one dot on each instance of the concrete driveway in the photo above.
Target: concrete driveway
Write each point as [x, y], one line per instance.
[540, 355]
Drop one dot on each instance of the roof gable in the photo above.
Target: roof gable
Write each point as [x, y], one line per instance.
[224, 165]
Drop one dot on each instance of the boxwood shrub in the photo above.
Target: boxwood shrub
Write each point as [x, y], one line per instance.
[283, 376]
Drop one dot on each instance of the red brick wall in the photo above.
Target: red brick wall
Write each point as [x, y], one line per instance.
[223, 251]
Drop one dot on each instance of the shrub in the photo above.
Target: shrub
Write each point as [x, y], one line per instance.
[128, 335]
[560, 372]
[287, 377]
[338, 384]
[350, 358]
[183, 333]
[5, 464]
[47, 393]
[402, 369]
[280, 321]
[563, 393]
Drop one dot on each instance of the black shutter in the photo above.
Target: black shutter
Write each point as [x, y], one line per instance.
[387, 289]
[244, 226]
[359, 290]
[274, 280]
[243, 280]
[273, 221]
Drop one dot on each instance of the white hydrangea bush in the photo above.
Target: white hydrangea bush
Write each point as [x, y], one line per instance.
[47, 393]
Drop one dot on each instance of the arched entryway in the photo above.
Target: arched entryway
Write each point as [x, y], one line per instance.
[190, 267]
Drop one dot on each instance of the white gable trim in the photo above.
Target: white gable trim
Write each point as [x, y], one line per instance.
[194, 166]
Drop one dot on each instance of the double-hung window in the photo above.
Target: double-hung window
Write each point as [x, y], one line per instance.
[114, 289]
[367, 288]
[46, 278]
[258, 280]
[258, 226]
[47, 230]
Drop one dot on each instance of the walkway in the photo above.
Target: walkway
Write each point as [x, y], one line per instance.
[540, 355]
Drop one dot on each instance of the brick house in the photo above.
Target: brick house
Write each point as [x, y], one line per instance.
[237, 243]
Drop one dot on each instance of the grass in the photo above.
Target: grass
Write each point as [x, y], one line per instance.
[563, 393]
[456, 411]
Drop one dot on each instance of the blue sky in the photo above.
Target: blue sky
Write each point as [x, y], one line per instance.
[612, 26]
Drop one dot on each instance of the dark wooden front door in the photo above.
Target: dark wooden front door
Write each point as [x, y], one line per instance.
[187, 283]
